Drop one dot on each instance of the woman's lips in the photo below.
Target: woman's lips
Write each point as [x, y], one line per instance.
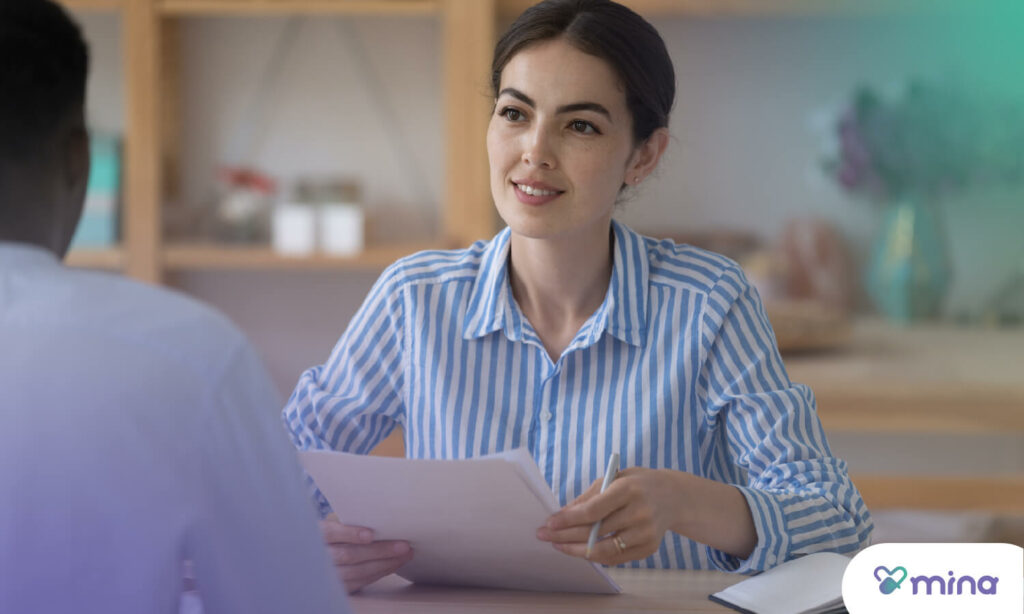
[535, 194]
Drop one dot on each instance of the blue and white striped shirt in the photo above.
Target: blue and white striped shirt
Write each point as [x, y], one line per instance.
[677, 369]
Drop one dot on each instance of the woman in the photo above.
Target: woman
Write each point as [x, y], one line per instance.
[575, 337]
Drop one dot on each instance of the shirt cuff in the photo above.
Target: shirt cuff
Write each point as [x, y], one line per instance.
[772, 536]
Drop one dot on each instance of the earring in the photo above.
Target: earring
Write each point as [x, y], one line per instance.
[636, 180]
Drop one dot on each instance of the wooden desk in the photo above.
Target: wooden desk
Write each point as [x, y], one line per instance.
[647, 590]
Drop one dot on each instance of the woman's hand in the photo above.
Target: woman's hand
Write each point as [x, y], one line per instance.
[641, 505]
[635, 512]
[358, 559]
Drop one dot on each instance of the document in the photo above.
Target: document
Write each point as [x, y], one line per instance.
[470, 522]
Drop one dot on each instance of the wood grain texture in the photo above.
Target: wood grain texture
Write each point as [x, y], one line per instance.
[92, 5]
[949, 493]
[389, 8]
[468, 39]
[141, 218]
[643, 590]
[757, 8]
[209, 257]
[920, 379]
[109, 258]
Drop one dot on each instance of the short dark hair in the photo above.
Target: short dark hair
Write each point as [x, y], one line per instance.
[44, 62]
[612, 32]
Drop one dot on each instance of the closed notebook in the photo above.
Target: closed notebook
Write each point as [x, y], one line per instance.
[811, 584]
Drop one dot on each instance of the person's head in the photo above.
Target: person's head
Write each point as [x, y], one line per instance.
[583, 90]
[44, 149]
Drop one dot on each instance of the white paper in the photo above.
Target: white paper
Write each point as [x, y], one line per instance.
[806, 585]
[470, 522]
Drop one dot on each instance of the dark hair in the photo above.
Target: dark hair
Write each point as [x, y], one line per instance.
[611, 32]
[43, 67]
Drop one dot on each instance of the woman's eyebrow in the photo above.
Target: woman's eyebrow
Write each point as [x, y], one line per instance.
[567, 108]
[584, 106]
[513, 92]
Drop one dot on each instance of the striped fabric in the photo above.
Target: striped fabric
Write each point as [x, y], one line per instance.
[677, 369]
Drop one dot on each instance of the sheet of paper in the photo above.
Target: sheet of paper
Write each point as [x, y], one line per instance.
[470, 522]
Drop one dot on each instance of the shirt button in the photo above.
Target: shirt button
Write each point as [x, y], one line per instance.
[547, 416]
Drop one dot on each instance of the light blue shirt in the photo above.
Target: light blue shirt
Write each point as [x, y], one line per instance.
[138, 430]
[678, 369]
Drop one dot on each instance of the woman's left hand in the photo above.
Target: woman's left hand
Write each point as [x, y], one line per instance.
[635, 512]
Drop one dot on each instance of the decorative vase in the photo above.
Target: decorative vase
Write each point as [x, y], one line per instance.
[909, 272]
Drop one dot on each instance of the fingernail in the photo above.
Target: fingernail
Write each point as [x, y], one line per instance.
[366, 535]
[542, 533]
[401, 548]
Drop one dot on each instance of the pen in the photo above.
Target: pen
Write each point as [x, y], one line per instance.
[609, 475]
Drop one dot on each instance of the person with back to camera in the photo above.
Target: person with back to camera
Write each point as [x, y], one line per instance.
[573, 336]
[138, 429]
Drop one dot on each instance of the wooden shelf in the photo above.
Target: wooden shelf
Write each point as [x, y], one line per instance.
[388, 8]
[112, 258]
[227, 258]
[950, 493]
[92, 5]
[509, 9]
[922, 379]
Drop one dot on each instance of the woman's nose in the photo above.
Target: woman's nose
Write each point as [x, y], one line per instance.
[538, 150]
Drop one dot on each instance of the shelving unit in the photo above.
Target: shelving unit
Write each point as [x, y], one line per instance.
[468, 32]
[216, 258]
[112, 258]
[397, 8]
[509, 9]
[93, 5]
[151, 125]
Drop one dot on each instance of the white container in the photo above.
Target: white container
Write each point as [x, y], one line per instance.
[341, 228]
[294, 229]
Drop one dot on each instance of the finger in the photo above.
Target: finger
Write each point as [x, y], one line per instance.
[618, 520]
[354, 554]
[630, 516]
[590, 511]
[357, 576]
[336, 533]
[570, 535]
[606, 552]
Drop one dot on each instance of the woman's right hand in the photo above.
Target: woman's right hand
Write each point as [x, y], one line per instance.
[357, 558]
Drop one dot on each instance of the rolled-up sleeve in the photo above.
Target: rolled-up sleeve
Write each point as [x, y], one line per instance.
[800, 496]
[354, 400]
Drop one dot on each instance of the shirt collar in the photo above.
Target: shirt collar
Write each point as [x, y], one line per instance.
[623, 313]
[21, 256]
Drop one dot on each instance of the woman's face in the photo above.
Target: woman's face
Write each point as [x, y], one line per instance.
[559, 143]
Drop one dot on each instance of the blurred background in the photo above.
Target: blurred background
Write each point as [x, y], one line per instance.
[864, 162]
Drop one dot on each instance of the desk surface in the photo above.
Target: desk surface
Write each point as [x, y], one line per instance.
[646, 590]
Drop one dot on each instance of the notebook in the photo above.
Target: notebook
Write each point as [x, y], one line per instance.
[811, 584]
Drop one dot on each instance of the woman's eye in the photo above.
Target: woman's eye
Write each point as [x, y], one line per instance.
[512, 115]
[583, 127]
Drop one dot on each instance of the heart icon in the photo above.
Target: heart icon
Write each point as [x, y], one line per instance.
[888, 585]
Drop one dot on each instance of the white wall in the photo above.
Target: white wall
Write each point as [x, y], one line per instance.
[744, 155]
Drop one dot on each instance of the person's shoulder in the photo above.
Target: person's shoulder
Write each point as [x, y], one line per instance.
[437, 266]
[688, 267]
[145, 314]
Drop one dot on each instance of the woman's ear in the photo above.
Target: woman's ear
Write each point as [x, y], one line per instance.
[646, 156]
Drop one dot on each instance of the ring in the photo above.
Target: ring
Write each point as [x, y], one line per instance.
[621, 545]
